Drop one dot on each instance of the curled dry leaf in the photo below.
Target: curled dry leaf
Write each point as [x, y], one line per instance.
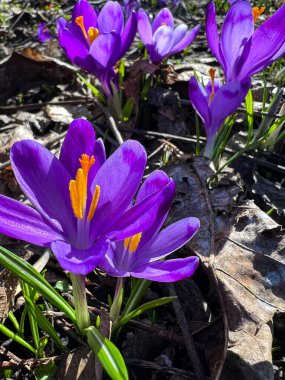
[242, 251]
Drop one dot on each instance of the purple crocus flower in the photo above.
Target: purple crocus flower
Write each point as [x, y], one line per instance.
[215, 102]
[79, 199]
[241, 50]
[43, 33]
[140, 255]
[96, 43]
[161, 38]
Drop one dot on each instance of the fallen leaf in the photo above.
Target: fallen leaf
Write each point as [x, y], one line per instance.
[28, 69]
[242, 251]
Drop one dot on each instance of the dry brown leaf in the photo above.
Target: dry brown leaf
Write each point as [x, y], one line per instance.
[29, 69]
[241, 249]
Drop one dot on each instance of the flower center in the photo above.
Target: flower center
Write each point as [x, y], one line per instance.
[131, 243]
[256, 12]
[212, 76]
[78, 190]
[92, 33]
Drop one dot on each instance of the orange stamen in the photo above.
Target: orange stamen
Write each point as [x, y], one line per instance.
[80, 22]
[94, 203]
[78, 188]
[163, 24]
[93, 33]
[256, 12]
[212, 76]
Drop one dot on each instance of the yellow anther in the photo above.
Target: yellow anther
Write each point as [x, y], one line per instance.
[94, 203]
[126, 242]
[93, 33]
[80, 22]
[134, 242]
[75, 201]
[256, 12]
[163, 24]
[212, 73]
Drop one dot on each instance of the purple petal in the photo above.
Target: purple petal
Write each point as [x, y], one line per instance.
[168, 271]
[106, 49]
[167, 241]
[198, 98]
[212, 33]
[83, 8]
[144, 27]
[179, 33]
[156, 182]
[164, 17]
[217, 85]
[45, 181]
[110, 262]
[118, 179]
[129, 33]
[237, 29]
[163, 40]
[76, 50]
[111, 18]
[78, 261]
[186, 41]
[145, 215]
[80, 139]
[264, 44]
[226, 102]
[22, 222]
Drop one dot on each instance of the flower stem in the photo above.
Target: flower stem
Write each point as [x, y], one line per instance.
[118, 299]
[80, 302]
[209, 148]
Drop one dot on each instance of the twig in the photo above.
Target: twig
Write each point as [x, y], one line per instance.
[111, 122]
[189, 341]
[151, 365]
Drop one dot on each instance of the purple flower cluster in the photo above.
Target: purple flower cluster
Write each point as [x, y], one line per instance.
[96, 43]
[84, 208]
[242, 51]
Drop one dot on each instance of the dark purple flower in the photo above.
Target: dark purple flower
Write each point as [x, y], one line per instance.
[241, 50]
[129, 6]
[140, 255]
[80, 199]
[96, 43]
[43, 33]
[215, 102]
[161, 38]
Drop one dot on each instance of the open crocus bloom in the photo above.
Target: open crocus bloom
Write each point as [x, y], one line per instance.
[96, 43]
[140, 255]
[79, 198]
[161, 38]
[241, 50]
[215, 102]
